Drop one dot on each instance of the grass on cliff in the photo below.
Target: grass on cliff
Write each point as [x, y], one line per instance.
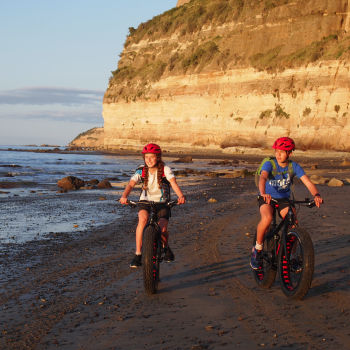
[196, 14]
[329, 48]
[187, 19]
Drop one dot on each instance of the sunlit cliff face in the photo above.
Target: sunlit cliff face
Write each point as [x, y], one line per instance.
[181, 2]
[255, 78]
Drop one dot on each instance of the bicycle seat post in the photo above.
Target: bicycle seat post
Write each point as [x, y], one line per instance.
[274, 220]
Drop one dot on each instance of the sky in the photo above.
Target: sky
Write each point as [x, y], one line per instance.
[56, 58]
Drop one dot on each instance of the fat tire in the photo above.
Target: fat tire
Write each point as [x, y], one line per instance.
[306, 264]
[265, 277]
[150, 260]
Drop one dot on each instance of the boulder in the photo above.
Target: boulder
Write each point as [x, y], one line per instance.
[70, 183]
[333, 182]
[186, 159]
[318, 180]
[7, 184]
[104, 184]
[345, 162]
[92, 182]
[236, 173]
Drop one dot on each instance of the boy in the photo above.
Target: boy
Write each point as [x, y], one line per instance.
[278, 187]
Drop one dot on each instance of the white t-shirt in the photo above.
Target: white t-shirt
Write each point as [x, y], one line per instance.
[153, 193]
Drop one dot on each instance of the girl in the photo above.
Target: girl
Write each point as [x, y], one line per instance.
[156, 178]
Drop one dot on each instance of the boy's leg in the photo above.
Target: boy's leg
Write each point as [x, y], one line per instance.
[266, 212]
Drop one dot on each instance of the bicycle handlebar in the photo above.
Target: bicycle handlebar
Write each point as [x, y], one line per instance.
[310, 203]
[133, 204]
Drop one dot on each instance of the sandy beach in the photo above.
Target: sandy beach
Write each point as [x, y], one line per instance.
[78, 292]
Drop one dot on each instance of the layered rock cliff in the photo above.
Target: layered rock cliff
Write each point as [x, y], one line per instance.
[220, 73]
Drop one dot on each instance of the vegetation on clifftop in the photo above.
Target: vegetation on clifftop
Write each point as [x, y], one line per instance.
[217, 35]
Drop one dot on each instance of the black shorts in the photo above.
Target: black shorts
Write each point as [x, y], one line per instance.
[163, 211]
[282, 203]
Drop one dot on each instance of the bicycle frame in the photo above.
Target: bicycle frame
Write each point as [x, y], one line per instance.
[275, 231]
[152, 248]
[288, 221]
[287, 249]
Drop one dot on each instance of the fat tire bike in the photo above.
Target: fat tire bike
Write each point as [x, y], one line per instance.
[289, 250]
[152, 247]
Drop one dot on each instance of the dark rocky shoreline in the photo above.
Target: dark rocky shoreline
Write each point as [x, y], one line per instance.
[76, 290]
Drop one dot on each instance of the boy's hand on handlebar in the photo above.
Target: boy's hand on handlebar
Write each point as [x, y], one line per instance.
[318, 200]
[181, 200]
[267, 198]
[123, 200]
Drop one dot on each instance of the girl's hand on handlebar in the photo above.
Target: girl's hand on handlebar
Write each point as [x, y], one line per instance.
[123, 200]
[267, 198]
[318, 200]
[181, 200]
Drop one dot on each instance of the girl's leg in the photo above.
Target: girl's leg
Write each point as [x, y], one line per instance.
[143, 218]
[169, 255]
[266, 212]
[163, 224]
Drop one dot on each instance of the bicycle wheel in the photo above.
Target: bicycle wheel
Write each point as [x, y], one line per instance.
[296, 265]
[150, 260]
[266, 275]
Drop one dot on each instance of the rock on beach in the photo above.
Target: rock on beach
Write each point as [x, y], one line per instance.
[104, 184]
[318, 180]
[333, 182]
[70, 183]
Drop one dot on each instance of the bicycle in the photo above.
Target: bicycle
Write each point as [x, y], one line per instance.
[288, 249]
[152, 247]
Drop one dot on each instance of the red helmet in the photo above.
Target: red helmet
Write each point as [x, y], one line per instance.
[284, 143]
[151, 148]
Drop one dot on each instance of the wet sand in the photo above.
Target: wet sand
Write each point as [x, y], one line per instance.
[78, 292]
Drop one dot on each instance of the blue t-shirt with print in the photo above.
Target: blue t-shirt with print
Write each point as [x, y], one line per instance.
[279, 185]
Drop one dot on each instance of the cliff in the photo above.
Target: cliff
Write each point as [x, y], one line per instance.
[224, 73]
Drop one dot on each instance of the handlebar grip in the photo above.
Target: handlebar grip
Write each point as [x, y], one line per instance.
[132, 204]
[311, 204]
[172, 203]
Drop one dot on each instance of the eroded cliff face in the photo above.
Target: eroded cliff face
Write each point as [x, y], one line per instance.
[266, 71]
[240, 108]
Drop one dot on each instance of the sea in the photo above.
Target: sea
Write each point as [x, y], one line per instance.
[31, 205]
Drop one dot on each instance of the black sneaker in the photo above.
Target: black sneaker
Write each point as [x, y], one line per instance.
[169, 255]
[137, 261]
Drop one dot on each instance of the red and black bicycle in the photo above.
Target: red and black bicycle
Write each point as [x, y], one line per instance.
[152, 247]
[289, 250]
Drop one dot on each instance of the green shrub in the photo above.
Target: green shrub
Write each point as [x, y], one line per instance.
[306, 111]
[265, 114]
[280, 113]
[202, 54]
[267, 60]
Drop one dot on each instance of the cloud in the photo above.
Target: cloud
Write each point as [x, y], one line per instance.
[51, 95]
[71, 114]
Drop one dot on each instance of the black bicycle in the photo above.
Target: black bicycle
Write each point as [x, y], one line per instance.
[152, 247]
[287, 248]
